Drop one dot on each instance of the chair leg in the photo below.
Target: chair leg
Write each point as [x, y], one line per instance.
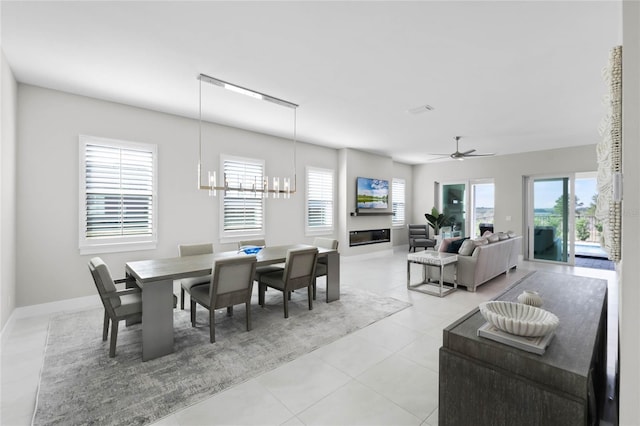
[315, 282]
[248, 309]
[310, 296]
[289, 295]
[261, 290]
[105, 326]
[182, 298]
[229, 311]
[212, 325]
[193, 313]
[286, 304]
[114, 338]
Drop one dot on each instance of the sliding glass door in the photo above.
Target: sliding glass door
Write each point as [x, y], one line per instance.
[550, 218]
[454, 202]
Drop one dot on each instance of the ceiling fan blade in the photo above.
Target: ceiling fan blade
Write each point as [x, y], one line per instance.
[480, 155]
[442, 157]
[468, 152]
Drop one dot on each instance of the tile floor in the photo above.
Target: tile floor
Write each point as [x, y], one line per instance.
[386, 373]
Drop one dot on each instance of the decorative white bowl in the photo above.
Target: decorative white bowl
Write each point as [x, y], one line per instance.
[519, 319]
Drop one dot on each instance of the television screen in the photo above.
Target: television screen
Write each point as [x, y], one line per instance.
[372, 193]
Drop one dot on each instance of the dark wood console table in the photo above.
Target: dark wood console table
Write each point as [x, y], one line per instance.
[483, 382]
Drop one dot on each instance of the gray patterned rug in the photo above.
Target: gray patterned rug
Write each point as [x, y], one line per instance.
[80, 384]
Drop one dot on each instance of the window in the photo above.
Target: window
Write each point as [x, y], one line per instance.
[398, 203]
[117, 195]
[242, 212]
[319, 200]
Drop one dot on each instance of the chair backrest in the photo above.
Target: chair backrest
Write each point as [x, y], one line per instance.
[232, 280]
[259, 243]
[104, 284]
[418, 231]
[195, 249]
[327, 243]
[300, 268]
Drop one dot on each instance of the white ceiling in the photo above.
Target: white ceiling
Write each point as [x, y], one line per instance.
[507, 76]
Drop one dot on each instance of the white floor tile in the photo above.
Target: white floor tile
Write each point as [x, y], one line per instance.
[388, 334]
[246, 404]
[424, 351]
[357, 404]
[302, 382]
[408, 384]
[352, 354]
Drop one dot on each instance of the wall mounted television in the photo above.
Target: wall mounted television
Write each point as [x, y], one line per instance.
[372, 193]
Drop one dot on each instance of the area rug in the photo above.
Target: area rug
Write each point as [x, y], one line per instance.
[80, 384]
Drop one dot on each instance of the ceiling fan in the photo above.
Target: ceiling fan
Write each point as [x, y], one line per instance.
[457, 155]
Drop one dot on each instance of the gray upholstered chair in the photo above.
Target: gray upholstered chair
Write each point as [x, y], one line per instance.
[118, 304]
[187, 283]
[299, 272]
[260, 269]
[419, 237]
[231, 284]
[321, 265]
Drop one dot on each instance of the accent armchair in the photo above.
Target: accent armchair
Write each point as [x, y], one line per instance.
[419, 237]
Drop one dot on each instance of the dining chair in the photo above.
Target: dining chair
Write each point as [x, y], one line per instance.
[260, 269]
[119, 304]
[321, 264]
[186, 284]
[231, 284]
[299, 272]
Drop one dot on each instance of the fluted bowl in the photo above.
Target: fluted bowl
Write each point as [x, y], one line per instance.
[518, 318]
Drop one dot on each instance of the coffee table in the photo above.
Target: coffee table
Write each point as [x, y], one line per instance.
[432, 258]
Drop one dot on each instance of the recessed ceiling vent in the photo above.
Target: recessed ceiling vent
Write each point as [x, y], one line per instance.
[421, 109]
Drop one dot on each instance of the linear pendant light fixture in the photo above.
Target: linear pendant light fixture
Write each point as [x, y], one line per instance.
[255, 187]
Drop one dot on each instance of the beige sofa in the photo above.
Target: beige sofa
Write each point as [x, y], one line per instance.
[486, 262]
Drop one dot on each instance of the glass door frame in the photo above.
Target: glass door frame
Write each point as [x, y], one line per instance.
[469, 202]
[529, 214]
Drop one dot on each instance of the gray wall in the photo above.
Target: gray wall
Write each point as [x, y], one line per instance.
[8, 108]
[49, 122]
[507, 172]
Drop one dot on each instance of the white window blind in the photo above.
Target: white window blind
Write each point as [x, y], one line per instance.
[319, 199]
[398, 203]
[117, 195]
[243, 212]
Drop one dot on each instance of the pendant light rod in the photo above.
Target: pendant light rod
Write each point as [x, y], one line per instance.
[264, 188]
[245, 91]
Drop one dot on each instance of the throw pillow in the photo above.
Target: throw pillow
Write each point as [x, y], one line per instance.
[511, 234]
[444, 245]
[467, 248]
[487, 233]
[493, 238]
[502, 236]
[480, 241]
[455, 245]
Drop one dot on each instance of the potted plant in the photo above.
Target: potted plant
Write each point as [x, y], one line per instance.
[436, 220]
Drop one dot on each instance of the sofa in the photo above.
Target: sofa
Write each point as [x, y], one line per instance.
[486, 261]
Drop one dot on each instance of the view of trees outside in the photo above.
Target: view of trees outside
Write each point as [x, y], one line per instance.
[588, 229]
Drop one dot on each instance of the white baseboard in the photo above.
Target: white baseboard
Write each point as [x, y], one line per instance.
[364, 256]
[75, 304]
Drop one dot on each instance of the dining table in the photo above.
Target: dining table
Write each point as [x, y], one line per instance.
[155, 278]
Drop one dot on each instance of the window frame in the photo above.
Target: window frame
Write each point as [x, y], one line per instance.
[326, 229]
[95, 245]
[394, 222]
[231, 236]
